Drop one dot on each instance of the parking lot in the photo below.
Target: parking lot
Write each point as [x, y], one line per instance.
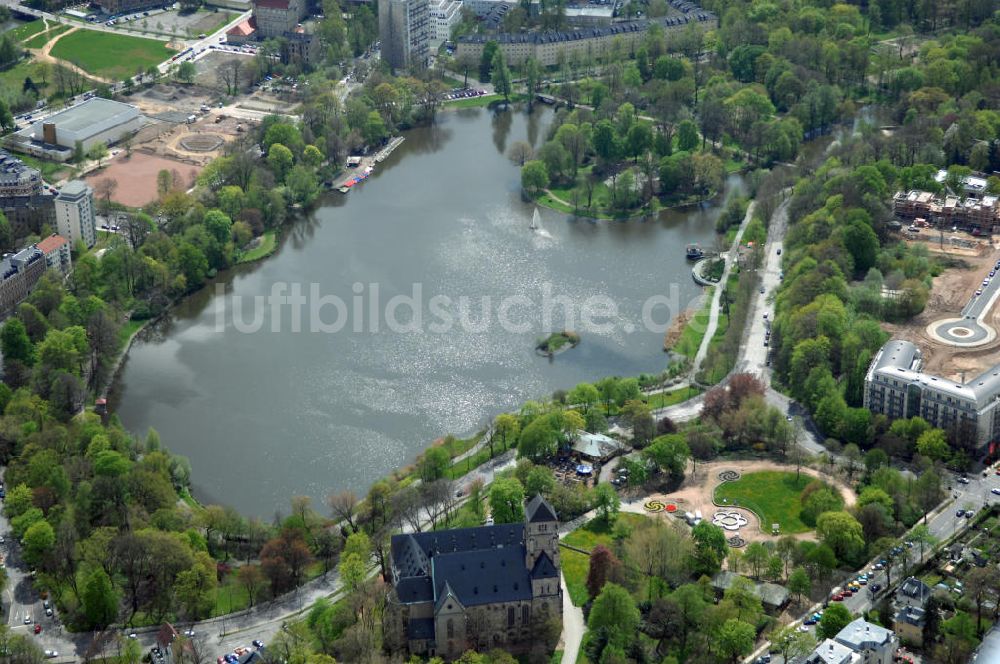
[165, 22]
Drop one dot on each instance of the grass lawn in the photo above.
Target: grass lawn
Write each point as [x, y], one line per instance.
[51, 171]
[664, 399]
[110, 55]
[772, 494]
[230, 596]
[128, 329]
[268, 242]
[694, 331]
[41, 39]
[484, 100]
[26, 30]
[587, 536]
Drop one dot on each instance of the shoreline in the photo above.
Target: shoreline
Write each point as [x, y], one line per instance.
[404, 468]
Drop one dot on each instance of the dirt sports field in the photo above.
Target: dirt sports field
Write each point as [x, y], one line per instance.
[950, 292]
[136, 176]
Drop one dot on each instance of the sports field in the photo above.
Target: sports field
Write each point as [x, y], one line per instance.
[108, 55]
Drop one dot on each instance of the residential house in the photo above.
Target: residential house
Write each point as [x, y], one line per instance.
[57, 253]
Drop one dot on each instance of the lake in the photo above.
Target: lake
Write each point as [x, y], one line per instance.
[270, 400]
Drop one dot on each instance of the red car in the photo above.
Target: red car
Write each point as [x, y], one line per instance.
[38, 628]
[848, 593]
[839, 597]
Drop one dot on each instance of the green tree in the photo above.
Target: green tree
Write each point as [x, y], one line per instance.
[615, 611]
[842, 532]
[500, 75]
[933, 445]
[534, 176]
[186, 72]
[280, 159]
[606, 502]
[100, 599]
[39, 540]
[669, 454]
[98, 152]
[710, 548]
[835, 618]
[490, 49]
[507, 500]
[800, 583]
[15, 342]
[433, 464]
[687, 136]
[735, 639]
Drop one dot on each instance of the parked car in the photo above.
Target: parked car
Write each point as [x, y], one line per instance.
[257, 643]
[995, 491]
[963, 480]
[27, 620]
[50, 654]
[38, 628]
[839, 597]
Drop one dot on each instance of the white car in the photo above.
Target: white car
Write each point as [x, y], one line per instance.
[27, 620]
[49, 654]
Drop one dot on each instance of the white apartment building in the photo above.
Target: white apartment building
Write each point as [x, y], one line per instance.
[444, 14]
[75, 217]
[404, 28]
[896, 387]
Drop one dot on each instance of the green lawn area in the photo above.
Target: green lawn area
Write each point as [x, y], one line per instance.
[52, 171]
[694, 331]
[26, 30]
[43, 38]
[128, 329]
[664, 399]
[230, 596]
[587, 536]
[772, 494]
[484, 100]
[110, 55]
[268, 241]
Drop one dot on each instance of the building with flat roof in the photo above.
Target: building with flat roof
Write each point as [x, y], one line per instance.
[56, 250]
[875, 644]
[548, 48]
[91, 122]
[18, 275]
[831, 652]
[975, 214]
[275, 18]
[896, 387]
[444, 15]
[75, 216]
[16, 179]
[129, 6]
[404, 29]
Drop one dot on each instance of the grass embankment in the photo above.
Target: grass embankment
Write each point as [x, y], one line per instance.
[694, 331]
[773, 495]
[586, 537]
[109, 55]
[22, 32]
[484, 100]
[51, 171]
[268, 243]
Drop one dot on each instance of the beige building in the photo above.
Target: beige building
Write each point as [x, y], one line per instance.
[56, 250]
[981, 214]
[75, 216]
[18, 275]
[548, 48]
[274, 18]
[477, 588]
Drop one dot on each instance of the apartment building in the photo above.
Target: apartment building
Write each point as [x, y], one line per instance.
[444, 14]
[549, 48]
[275, 18]
[860, 642]
[405, 31]
[896, 387]
[978, 214]
[18, 275]
[16, 179]
[56, 250]
[75, 217]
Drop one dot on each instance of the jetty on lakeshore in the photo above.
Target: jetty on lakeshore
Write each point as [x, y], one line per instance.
[359, 169]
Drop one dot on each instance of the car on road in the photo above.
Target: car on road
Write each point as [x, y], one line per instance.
[839, 597]
[189, 633]
[27, 619]
[50, 654]
[257, 643]
[761, 290]
[995, 491]
[38, 628]
[779, 252]
[875, 587]
[963, 480]
[969, 514]
[979, 291]
[960, 513]
[803, 628]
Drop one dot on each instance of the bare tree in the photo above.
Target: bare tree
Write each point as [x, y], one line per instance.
[343, 505]
[520, 152]
[106, 188]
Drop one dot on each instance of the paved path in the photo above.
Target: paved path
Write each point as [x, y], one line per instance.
[713, 317]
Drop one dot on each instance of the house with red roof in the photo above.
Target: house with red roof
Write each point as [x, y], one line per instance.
[57, 253]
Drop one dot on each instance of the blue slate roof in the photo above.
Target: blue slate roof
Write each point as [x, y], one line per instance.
[483, 577]
[544, 568]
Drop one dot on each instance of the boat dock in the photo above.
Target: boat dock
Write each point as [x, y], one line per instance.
[360, 169]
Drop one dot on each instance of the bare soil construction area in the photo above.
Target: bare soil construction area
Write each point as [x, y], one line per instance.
[136, 176]
[951, 291]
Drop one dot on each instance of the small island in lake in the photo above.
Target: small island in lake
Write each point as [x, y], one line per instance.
[557, 342]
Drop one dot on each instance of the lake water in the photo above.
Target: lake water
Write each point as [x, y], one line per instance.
[266, 415]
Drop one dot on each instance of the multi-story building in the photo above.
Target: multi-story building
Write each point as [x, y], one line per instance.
[275, 18]
[16, 179]
[91, 122]
[548, 48]
[27, 214]
[128, 6]
[896, 387]
[404, 29]
[18, 275]
[861, 642]
[75, 217]
[56, 250]
[302, 48]
[976, 214]
[477, 588]
[444, 14]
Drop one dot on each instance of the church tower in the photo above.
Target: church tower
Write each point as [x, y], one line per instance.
[541, 531]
